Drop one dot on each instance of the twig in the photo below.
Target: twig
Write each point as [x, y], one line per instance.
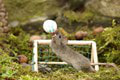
[107, 64]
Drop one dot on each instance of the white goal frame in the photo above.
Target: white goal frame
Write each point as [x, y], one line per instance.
[94, 56]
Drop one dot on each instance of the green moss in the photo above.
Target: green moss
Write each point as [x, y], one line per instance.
[13, 70]
[25, 10]
[22, 10]
[108, 44]
[78, 16]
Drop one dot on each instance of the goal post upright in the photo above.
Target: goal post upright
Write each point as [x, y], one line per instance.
[94, 55]
[35, 56]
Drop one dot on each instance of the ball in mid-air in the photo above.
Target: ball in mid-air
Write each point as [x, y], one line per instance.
[50, 26]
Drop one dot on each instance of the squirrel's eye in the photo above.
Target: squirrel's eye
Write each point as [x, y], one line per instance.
[60, 36]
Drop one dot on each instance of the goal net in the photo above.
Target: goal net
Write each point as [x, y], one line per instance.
[42, 53]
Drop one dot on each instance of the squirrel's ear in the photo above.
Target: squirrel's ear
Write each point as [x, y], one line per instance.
[56, 32]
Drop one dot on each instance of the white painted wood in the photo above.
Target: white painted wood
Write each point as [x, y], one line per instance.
[35, 57]
[52, 63]
[66, 63]
[95, 56]
[70, 42]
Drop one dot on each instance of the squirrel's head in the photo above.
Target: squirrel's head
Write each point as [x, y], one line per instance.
[59, 39]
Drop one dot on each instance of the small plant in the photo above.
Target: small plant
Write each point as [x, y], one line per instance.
[108, 44]
[28, 77]
[8, 67]
[9, 73]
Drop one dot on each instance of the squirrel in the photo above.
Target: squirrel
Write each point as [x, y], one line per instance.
[74, 58]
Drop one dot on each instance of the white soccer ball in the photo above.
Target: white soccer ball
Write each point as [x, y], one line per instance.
[50, 26]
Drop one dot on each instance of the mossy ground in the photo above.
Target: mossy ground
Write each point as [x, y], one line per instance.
[17, 42]
[12, 70]
[17, 72]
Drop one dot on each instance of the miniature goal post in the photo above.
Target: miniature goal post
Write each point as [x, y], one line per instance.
[94, 56]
